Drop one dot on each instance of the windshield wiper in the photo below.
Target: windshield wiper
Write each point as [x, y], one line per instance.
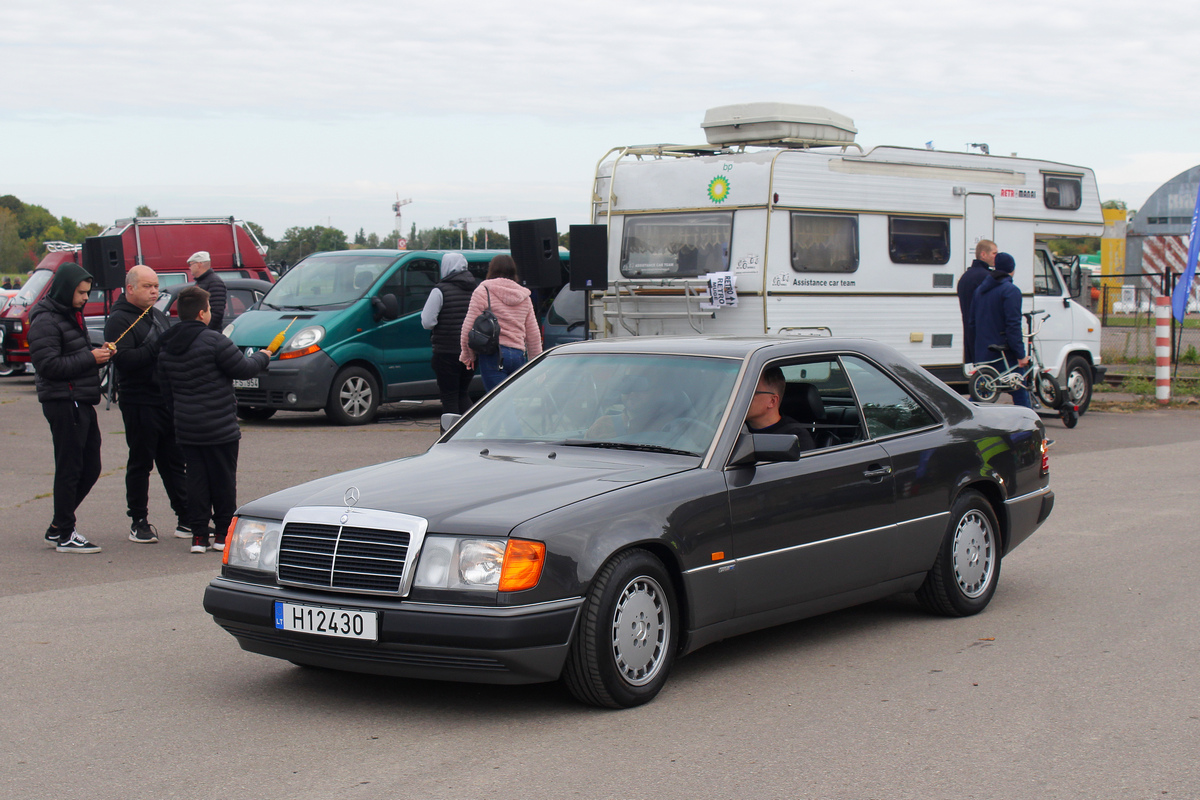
[645, 448]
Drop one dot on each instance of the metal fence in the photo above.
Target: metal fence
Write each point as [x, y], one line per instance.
[1127, 320]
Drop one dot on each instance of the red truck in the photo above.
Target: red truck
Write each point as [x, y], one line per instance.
[161, 243]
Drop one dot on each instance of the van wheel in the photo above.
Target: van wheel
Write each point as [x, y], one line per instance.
[252, 414]
[625, 642]
[353, 398]
[1077, 388]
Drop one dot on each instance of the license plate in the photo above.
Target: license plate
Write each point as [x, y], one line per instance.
[344, 623]
[249, 383]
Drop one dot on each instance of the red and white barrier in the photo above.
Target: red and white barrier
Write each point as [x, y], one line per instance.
[1162, 349]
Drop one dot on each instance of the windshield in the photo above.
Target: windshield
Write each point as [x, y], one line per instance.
[33, 287]
[327, 281]
[668, 403]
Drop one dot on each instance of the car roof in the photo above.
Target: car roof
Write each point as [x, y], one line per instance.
[739, 347]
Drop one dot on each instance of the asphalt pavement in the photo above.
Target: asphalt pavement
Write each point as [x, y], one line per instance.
[1080, 680]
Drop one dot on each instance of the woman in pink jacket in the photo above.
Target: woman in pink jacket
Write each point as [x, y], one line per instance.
[520, 338]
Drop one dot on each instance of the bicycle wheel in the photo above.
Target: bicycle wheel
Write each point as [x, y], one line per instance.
[983, 385]
[1048, 391]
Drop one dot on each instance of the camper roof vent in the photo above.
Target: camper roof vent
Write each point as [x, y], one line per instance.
[783, 124]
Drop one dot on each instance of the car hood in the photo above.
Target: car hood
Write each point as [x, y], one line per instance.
[257, 328]
[479, 489]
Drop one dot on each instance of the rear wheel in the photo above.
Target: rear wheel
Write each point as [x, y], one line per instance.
[353, 397]
[1077, 388]
[627, 635]
[984, 387]
[964, 575]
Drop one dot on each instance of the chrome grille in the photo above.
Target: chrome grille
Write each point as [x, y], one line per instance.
[345, 558]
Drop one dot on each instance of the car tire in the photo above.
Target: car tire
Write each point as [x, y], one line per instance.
[7, 369]
[983, 385]
[255, 414]
[627, 634]
[353, 397]
[967, 568]
[1077, 386]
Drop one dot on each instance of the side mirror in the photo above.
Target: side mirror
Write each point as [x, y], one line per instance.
[448, 420]
[385, 307]
[752, 448]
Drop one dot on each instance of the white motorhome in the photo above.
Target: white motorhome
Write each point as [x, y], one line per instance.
[821, 234]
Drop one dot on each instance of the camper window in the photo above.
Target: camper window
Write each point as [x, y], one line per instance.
[676, 245]
[824, 243]
[919, 240]
[1062, 192]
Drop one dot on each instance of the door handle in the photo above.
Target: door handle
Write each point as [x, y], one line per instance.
[877, 473]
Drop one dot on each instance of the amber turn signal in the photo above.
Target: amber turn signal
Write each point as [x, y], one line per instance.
[522, 565]
[228, 540]
[312, 348]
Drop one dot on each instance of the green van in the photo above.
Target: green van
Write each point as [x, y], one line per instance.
[354, 336]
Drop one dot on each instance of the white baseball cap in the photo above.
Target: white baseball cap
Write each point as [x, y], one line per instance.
[202, 255]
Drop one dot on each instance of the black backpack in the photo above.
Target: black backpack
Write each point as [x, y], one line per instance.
[484, 337]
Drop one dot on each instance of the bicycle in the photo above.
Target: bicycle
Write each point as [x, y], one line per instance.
[988, 382]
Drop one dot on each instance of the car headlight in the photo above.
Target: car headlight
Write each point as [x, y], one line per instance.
[253, 544]
[305, 337]
[505, 565]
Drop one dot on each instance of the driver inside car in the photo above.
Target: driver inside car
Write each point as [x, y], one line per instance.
[763, 415]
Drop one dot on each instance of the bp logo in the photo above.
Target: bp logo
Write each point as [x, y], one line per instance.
[718, 189]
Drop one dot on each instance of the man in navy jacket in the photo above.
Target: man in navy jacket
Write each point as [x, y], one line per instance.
[996, 319]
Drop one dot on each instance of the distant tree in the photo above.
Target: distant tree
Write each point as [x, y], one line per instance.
[486, 238]
[145, 211]
[564, 240]
[13, 253]
[373, 240]
[1113, 204]
[12, 204]
[412, 237]
[360, 238]
[300, 242]
[1083, 245]
[260, 234]
[33, 222]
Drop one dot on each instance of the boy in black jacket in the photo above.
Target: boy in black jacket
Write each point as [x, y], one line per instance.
[136, 327]
[197, 366]
[68, 387]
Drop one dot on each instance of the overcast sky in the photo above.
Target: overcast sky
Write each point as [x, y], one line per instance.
[314, 112]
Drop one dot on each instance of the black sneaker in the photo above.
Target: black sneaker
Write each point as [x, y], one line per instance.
[218, 545]
[143, 532]
[76, 544]
[199, 544]
[183, 531]
[52, 536]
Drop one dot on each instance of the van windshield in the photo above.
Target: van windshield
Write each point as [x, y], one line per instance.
[323, 281]
[33, 287]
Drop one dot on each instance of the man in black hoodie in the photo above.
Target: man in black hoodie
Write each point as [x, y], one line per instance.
[135, 326]
[197, 366]
[68, 387]
[443, 315]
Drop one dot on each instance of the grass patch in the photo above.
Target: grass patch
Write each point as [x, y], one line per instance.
[1136, 384]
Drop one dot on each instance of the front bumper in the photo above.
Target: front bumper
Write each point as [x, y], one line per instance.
[307, 379]
[521, 644]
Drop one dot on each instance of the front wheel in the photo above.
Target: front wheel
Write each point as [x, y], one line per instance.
[1077, 388]
[353, 397]
[255, 414]
[626, 640]
[984, 385]
[964, 574]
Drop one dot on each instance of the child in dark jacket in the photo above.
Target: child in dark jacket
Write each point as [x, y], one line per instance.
[198, 366]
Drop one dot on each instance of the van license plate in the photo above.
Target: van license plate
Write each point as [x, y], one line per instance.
[344, 623]
[250, 383]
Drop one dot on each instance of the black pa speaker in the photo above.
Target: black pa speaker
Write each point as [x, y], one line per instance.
[534, 244]
[589, 257]
[104, 259]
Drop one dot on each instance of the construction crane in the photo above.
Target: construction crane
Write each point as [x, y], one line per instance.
[462, 224]
[396, 206]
